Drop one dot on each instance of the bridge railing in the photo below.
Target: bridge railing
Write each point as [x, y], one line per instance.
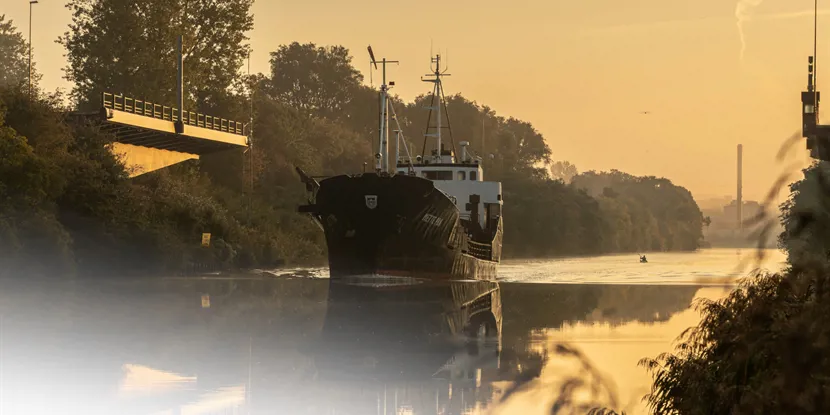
[163, 112]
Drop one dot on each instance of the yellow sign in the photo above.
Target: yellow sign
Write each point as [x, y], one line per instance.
[205, 301]
[205, 239]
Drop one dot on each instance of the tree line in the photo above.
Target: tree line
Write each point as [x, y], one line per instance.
[64, 196]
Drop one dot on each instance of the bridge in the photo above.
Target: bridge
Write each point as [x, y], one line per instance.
[151, 136]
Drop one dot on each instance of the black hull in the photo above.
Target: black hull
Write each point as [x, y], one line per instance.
[399, 226]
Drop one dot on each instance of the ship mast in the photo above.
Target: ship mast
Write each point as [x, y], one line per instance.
[437, 92]
[382, 156]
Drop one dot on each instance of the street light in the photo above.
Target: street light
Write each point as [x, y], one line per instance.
[31, 2]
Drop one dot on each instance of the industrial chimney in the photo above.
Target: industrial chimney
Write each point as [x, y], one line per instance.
[740, 204]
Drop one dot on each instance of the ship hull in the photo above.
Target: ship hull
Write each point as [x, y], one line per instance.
[398, 226]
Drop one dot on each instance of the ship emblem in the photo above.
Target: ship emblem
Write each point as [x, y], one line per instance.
[371, 201]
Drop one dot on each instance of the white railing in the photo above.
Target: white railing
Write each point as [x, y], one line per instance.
[162, 112]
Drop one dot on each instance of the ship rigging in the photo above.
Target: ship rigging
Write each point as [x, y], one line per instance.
[433, 217]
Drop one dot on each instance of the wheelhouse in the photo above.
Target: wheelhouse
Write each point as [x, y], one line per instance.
[462, 181]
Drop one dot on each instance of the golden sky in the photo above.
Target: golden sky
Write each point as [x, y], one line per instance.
[581, 71]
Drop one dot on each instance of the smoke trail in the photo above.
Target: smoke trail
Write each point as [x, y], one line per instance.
[742, 14]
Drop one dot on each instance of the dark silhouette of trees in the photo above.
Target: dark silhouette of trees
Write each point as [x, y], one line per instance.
[761, 349]
[806, 217]
[14, 50]
[314, 80]
[644, 213]
[128, 47]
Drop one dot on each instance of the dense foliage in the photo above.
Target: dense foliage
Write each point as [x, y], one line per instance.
[643, 213]
[66, 197]
[763, 348]
[123, 46]
[14, 68]
[760, 350]
[806, 217]
[67, 201]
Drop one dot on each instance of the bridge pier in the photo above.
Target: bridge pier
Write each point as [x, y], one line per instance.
[139, 160]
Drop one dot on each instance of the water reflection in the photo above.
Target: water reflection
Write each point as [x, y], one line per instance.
[142, 380]
[569, 377]
[311, 346]
[422, 347]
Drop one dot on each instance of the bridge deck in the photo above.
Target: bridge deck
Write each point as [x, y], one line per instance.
[141, 123]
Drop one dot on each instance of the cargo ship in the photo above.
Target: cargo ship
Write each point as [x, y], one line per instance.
[432, 216]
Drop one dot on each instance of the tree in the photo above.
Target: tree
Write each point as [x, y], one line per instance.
[548, 218]
[531, 146]
[14, 66]
[760, 350]
[32, 241]
[128, 47]
[806, 217]
[563, 170]
[315, 80]
[23, 175]
[653, 213]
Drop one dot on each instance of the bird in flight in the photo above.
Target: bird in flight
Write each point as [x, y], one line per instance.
[645, 112]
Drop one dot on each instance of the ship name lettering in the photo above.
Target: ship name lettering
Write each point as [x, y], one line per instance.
[433, 220]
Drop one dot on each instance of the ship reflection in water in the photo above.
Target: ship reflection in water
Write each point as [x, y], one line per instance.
[311, 346]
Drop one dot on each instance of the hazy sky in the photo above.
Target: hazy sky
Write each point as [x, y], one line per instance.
[580, 71]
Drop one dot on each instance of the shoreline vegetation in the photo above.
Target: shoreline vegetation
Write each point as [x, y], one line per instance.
[763, 348]
[67, 204]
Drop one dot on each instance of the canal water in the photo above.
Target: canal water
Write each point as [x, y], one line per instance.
[293, 342]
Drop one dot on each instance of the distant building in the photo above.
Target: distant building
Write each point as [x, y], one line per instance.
[751, 209]
[723, 231]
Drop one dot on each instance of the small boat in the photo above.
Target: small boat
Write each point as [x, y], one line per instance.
[643, 259]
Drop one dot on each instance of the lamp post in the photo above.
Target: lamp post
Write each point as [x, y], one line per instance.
[31, 2]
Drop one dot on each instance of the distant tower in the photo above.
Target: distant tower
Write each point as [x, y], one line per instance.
[740, 204]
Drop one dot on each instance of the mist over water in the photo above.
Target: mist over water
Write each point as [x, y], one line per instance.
[308, 345]
[709, 266]
[293, 341]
